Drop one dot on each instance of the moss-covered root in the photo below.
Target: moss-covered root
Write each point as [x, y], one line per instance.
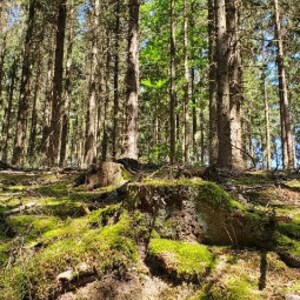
[180, 261]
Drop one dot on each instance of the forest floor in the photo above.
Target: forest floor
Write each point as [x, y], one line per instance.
[59, 241]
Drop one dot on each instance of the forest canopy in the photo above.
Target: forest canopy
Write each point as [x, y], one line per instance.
[210, 83]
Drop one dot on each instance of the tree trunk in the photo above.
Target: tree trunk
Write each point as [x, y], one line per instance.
[132, 81]
[287, 140]
[223, 100]
[91, 110]
[48, 103]
[9, 113]
[172, 84]
[266, 103]
[186, 84]
[116, 80]
[235, 83]
[68, 89]
[21, 128]
[213, 126]
[57, 100]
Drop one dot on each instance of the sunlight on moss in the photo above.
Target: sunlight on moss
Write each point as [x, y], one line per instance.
[183, 258]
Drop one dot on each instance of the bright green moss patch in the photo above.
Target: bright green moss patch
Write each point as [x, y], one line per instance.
[214, 195]
[182, 259]
[291, 228]
[32, 225]
[206, 192]
[234, 288]
[102, 249]
[288, 245]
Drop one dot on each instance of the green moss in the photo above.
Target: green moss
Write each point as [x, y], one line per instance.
[32, 225]
[63, 207]
[104, 249]
[187, 260]
[288, 245]
[215, 196]
[252, 179]
[57, 190]
[234, 289]
[291, 229]
[206, 192]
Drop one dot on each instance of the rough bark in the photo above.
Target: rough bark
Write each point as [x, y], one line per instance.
[172, 91]
[186, 84]
[116, 80]
[57, 100]
[287, 140]
[223, 101]
[235, 82]
[213, 126]
[132, 81]
[68, 89]
[21, 127]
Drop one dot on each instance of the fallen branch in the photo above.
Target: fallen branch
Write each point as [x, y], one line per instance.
[20, 209]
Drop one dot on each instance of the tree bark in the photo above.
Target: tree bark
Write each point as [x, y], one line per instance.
[21, 127]
[213, 126]
[287, 140]
[223, 99]
[172, 91]
[186, 84]
[68, 89]
[91, 110]
[132, 81]
[235, 83]
[57, 100]
[116, 80]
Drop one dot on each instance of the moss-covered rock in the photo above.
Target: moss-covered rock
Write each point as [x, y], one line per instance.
[180, 260]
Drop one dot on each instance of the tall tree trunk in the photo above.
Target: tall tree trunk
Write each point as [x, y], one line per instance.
[287, 140]
[223, 100]
[266, 103]
[9, 113]
[116, 80]
[193, 96]
[68, 89]
[186, 83]
[21, 128]
[57, 100]
[132, 81]
[104, 146]
[34, 113]
[48, 101]
[213, 126]
[91, 110]
[172, 84]
[235, 83]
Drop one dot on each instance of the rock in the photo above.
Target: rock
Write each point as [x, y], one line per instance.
[66, 276]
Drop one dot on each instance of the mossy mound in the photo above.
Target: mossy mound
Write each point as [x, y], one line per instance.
[212, 214]
[103, 250]
[181, 261]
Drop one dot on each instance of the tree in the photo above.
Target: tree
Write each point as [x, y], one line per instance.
[21, 126]
[288, 154]
[57, 95]
[132, 81]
